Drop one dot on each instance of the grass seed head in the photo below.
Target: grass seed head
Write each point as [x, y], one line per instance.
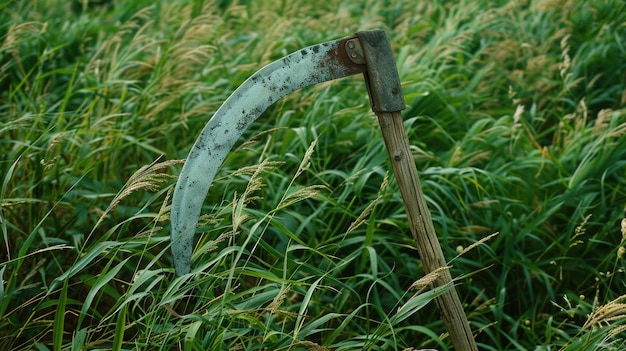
[428, 279]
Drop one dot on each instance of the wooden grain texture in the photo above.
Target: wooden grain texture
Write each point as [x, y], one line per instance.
[422, 229]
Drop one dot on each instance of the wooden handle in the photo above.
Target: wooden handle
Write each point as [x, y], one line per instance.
[397, 143]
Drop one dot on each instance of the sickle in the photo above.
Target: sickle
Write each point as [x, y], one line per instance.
[367, 52]
[312, 65]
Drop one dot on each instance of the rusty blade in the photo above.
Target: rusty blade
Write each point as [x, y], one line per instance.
[308, 66]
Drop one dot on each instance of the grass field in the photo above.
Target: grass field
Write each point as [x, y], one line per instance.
[516, 112]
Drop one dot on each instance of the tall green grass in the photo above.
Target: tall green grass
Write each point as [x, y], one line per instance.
[516, 115]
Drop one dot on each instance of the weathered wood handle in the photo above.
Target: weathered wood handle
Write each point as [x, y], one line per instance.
[420, 221]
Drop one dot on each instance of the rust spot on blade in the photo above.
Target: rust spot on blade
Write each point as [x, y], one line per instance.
[338, 59]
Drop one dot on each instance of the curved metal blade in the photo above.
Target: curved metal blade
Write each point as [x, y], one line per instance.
[311, 65]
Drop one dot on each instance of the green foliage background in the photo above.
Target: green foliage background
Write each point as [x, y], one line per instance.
[516, 112]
